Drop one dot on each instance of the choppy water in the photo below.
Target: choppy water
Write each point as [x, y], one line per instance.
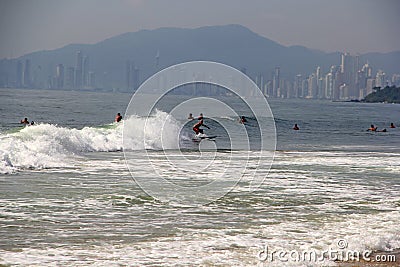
[67, 198]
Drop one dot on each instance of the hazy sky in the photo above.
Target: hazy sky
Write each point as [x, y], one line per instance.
[356, 26]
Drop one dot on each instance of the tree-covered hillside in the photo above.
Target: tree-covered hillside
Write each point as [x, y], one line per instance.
[387, 94]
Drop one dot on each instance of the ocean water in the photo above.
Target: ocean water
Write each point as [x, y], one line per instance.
[67, 197]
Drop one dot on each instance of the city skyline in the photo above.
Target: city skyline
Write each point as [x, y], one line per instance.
[356, 26]
[352, 79]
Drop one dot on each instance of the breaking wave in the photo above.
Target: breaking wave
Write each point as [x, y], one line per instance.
[50, 146]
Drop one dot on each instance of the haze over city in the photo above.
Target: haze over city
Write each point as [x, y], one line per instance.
[357, 26]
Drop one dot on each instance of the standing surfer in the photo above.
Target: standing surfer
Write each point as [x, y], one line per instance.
[196, 127]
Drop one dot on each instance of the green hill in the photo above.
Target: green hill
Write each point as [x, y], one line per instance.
[387, 94]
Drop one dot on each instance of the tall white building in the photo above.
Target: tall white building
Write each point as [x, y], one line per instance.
[380, 79]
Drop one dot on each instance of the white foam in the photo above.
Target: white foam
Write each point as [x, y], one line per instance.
[49, 146]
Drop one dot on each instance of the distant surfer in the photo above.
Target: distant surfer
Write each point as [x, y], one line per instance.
[392, 125]
[196, 127]
[372, 128]
[118, 117]
[25, 121]
[32, 123]
[190, 116]
[295, 127]
[242, 119]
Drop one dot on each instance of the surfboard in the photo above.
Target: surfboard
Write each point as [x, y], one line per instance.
[199, 138]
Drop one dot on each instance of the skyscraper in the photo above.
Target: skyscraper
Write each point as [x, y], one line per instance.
[92, 79]
[85, 71]
[27, 74]
[276, 82]
[298, 92]
[346, 67]
[78, 70]
[135, 78]
[70, 78]
[312, 86]
[328, 85]
[380, 79]
[19, 80]
[59, 76]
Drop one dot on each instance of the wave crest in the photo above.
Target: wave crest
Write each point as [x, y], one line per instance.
[48, 146]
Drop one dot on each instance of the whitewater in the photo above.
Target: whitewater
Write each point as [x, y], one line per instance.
[46, 145]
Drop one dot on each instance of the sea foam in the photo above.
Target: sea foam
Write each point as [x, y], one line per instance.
[50, 146]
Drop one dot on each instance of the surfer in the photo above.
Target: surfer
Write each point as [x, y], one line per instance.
[190, 116]
[32, 123]
[372, 128]
[242, 119]
[196, 127]
[118, 117]
[25, 121]
[295, 127]
[392, 125]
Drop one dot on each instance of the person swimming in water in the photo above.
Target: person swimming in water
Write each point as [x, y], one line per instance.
[32, 123]
[118, 117]
[295, 127]
[392, 125]
[242, 119]
[196, 127]
[372, 128]
[25, 121]
[190, 116]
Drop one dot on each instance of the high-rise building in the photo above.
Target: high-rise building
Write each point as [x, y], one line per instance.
[304, 88]
[20, 76]
[318, 73]
[276, 82]
[85, 71]
[59, 76]
[346, 68]
[132, 76]
[328, 85]
[70, 78]
[380, 79]
[336, 83]
[158, 60]
[396, 80]
[78, 70]
[312, 86]
[92, 79]
[370, 86]
[135, 78]
[27, 80]
[289, 89]
[367, 70]
[298, 92]
[321, 88]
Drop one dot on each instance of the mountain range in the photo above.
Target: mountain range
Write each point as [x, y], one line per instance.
[234, 45]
